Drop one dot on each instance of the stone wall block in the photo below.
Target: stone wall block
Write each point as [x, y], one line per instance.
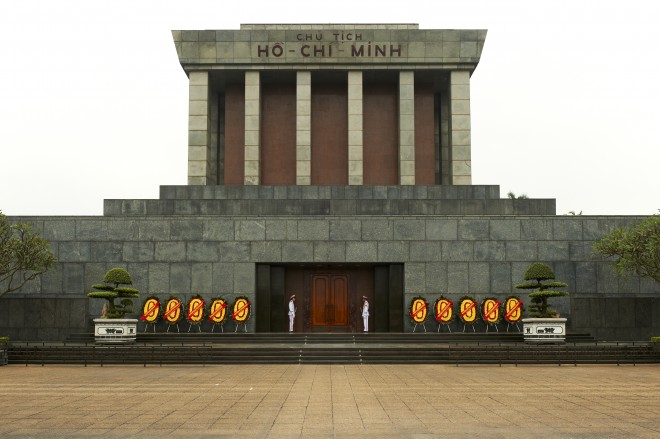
[180, 278]
[312, 230]
[334, 251]
[458, 278]
[190, 230]
[415, 280]
[567, 229]
[441, 229]
[500, 279]
[250, 230]
[202, 251]
[473, 229]
[423, 251]
[223, 279]
[138, 251]
[301, 251]
[505, 229]
[73, 251]
[89, 230]
[73, 277]
[489, 251]
[266, 251]
[409, 229]
[457, 250]
[479, 273]
[345, 230]
[377, 229]
[154, 230]
[553, 250]
[159, 278]
[436, 277]
[585, 278]
[244, 280]
[521, 251]
[218, 230]
[170, 251]
[394, 251]
[361, 251]
[536, 229]
[234, 251]
[202, 279]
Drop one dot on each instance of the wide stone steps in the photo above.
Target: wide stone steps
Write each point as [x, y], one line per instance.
[202, 349]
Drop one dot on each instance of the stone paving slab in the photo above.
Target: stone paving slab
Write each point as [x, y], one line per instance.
[334, 401]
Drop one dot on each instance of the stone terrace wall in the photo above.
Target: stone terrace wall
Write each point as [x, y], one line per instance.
[185, 255]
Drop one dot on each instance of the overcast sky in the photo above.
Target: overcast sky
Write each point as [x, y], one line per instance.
[565, 100]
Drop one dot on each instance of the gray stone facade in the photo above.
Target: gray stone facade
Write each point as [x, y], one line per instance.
[183, 254]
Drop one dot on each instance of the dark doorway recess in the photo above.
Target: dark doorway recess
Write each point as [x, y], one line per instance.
[329, 297]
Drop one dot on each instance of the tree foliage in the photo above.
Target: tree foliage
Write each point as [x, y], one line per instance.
[636, 249]
[111, 290]
[24, 255]
[539, 272]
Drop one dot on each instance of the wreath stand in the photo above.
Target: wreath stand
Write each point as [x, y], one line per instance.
[471, 324]
[239, 324]
[440, 324]
[190, 325]
[492, 324]
[510, 324]
[153, 325]
[423, 326]
[222, 326]
[173, 324]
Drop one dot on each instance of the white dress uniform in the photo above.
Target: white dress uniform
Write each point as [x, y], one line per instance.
[292, 313]
[365, 314]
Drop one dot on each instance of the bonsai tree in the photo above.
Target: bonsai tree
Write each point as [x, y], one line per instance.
[537, 273]
[111, 290]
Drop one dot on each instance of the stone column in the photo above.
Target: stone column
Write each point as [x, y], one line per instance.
[252, 128]
[303, 128]
[460, 139]
[355, 145]
[406, 127]
[199, 166]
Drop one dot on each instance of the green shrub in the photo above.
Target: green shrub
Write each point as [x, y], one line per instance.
[655, 339]
[541, 272]
[112, 290]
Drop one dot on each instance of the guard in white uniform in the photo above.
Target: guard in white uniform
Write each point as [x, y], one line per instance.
[365, 313]
[292, 311]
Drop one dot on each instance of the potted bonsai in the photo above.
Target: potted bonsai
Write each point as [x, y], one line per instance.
[113, 327]
[545, 325]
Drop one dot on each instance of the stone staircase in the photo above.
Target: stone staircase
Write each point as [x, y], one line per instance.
[282, 348]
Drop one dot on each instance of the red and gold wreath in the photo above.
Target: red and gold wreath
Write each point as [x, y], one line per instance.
[491, 311]
[468, 310]
[218, 310]
[241, 309]
[444, 310]
[513, 309]
[195, 311]
[418, 310]
[173, 312]
[151, 310]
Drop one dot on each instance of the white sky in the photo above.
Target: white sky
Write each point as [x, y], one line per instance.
[93, 102]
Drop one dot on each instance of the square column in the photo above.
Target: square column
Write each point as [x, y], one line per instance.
[252, 128]
[460, 137]
[406, 128]
[355, 144]
[304, 128]
[199, 154]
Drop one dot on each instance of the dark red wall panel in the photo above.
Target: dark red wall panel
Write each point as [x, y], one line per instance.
[329, 134]
[234, 134]
[424, 135]
[278, 134]
[381, 143]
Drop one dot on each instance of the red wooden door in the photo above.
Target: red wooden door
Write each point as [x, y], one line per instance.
[330, 302]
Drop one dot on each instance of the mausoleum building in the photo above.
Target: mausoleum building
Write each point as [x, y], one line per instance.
[331, 162]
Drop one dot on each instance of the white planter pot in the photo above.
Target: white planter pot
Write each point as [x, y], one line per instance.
[115, 330]
[544, 330]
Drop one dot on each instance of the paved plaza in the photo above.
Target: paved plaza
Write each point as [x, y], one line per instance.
[290, 401]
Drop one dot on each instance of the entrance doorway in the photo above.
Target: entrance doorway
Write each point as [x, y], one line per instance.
[329, 297]
[329, 307]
